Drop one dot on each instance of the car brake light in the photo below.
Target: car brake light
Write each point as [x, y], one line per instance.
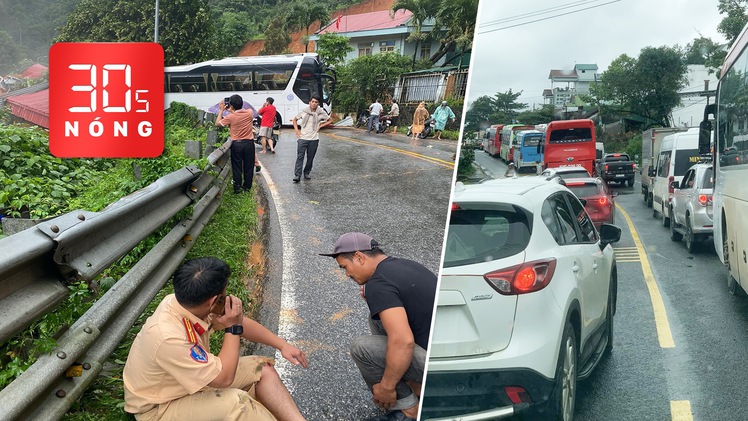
[455, 206]
[603, 200]
[670, 184]
[606, 167]
[521, 279]
[706, 199]
[517, 394]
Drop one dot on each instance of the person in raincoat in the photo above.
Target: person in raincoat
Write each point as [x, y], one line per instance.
[441, 115]
[419, 120]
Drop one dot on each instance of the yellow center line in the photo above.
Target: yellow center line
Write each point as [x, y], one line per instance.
[663, 326]
[681, 410]
[438, 161]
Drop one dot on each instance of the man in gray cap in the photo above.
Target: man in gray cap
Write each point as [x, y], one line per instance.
[400, 295]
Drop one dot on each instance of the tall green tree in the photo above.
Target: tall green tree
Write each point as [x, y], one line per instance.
[276, 37]
[333, 48]
[186, 30]
[422, 11]
[646, 87]
[304, 13]
[458, 18]
[541, 115]
[500, 108]
[699, 50]
[367, 78]
[735, 18]
[10, 54]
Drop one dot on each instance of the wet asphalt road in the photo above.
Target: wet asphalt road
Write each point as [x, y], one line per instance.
[395, 190]
[703, 376]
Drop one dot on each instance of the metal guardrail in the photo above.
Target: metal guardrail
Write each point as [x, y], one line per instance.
[35, 265]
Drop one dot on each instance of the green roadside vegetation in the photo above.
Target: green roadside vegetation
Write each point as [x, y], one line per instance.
[37, 182]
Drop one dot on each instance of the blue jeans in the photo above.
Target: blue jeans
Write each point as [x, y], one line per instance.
[308, 148]
[369, 353]
[373, 122]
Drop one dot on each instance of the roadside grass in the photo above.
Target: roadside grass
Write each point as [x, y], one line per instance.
[229, 236]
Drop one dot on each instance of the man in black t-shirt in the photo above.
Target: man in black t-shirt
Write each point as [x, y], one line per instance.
[400, 295]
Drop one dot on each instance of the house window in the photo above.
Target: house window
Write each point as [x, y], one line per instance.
[386, 46]
[365, 48]
[425, 51]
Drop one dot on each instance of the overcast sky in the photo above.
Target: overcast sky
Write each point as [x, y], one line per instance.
[510, 51]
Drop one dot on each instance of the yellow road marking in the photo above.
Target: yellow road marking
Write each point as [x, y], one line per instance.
[627, 254]
[681, 410]
[664, 334]
[438, 161]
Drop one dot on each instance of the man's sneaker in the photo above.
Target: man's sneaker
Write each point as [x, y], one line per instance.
[296, 179]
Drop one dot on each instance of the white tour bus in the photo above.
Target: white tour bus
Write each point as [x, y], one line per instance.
[730, 159]
[291, 80]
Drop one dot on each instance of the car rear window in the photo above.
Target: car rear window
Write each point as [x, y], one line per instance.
[584, 189]
[573, 174]
[708, 180]
[485, 232]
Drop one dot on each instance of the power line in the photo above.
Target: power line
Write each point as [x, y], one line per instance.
[546, 18]
[539, 12]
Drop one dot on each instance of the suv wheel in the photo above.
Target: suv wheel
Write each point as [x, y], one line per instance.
[674, 235]
[609, 317]
[631, 182]
[690, 240]
[565, 392]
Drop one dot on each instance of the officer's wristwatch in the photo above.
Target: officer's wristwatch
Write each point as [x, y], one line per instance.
[235, 329]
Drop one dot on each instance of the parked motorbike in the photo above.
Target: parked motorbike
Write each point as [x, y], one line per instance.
[362, 119]
[276, 129]
[384, 123]
[428, 129]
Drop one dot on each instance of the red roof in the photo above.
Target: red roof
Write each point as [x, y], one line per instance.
[33, 107]
[368, 22]
[35, 71]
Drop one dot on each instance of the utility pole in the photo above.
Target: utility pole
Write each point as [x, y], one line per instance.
[155, 25]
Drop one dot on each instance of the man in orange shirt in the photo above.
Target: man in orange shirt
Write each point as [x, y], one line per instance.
[239, 122]
[171, 374]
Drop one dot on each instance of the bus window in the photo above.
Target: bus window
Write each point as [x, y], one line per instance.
[187, 82]
[273, 77]
[570, 135]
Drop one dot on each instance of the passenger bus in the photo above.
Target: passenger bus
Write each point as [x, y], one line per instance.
[570, 143]
[291, 80]
[730, 159]
[526, 150]
[494, 139]
[508, 137]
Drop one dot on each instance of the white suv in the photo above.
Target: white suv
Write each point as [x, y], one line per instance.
[526, 302]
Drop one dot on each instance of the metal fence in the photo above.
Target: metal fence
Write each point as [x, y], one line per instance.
[432, 87]
[37, 263]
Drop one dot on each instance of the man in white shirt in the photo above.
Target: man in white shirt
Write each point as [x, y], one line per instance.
[374, 110]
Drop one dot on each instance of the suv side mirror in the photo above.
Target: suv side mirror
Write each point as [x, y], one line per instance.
[609, 233]
[675, 185]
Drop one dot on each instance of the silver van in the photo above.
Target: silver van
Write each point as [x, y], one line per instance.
[678, 153]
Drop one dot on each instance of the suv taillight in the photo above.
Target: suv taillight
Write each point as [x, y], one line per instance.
[670, 185]
[521, 279]
[706, 199]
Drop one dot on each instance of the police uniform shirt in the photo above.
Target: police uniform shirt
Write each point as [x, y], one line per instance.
[170, 358]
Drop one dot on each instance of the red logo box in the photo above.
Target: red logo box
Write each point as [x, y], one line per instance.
[106, 100]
